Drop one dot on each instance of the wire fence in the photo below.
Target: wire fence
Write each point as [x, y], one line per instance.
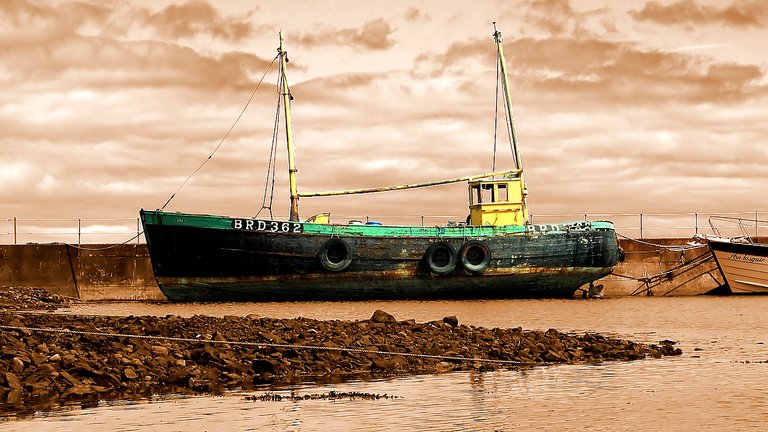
[128, 230]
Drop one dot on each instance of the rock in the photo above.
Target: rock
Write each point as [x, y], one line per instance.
[451, 320]
[130, 374]
[79, 391]
[14, 398]
[379, 316]
[160, 350]
[265, 365]
[17, 365]
[386, 364]
[82, 369]
[13, 381]
[70, 378]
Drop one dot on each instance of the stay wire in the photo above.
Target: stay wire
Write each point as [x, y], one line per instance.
[225, 135]
[272, 161]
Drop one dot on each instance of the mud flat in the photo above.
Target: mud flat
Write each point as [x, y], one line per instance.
[49, 360]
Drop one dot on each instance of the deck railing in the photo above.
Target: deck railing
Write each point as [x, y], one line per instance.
[15, 230]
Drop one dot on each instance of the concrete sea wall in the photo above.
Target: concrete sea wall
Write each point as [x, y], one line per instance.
[124, 272]
[87, 272]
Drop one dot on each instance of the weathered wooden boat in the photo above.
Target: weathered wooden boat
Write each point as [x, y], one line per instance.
[742, 260]
[497, 253]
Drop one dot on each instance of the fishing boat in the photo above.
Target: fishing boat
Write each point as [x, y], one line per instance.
[742, 259]
[495, 253]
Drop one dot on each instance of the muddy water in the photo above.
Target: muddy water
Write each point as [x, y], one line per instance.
[719, 383]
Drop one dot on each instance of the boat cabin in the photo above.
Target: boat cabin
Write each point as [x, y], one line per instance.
[497, 202]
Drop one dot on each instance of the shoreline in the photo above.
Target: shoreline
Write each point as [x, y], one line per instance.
[52, 360]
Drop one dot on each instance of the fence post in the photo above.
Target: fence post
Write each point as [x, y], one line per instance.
[14, 230]
[79, 226]
[138, 231]
[641, 225]
[696, 222]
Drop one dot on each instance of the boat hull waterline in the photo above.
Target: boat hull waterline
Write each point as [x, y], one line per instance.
[218, 258]
[744, 265]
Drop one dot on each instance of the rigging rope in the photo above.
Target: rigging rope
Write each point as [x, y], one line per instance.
[499, 79]
[271, 166]
[225, 135]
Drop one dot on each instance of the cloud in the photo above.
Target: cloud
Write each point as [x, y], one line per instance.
[739, 13]
[555, 16]
[416, 15]
[609, 72]
[199, 18]
[374, 35]
[33, 23]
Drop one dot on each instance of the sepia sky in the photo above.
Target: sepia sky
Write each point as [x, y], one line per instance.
[621, 107]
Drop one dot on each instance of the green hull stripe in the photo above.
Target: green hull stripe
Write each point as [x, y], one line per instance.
[225, 222]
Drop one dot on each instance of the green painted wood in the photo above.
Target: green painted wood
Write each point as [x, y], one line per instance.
[226, 222]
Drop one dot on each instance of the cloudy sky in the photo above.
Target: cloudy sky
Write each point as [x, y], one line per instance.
[621, 107]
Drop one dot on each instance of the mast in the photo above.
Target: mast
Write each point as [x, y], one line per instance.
[507, 97]
[286, 93]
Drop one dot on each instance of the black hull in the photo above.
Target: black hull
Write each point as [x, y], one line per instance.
[211, 264]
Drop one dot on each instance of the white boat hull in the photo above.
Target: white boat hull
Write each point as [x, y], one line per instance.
[744, 265]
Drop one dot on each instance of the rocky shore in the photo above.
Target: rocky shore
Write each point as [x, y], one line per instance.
[47, 359]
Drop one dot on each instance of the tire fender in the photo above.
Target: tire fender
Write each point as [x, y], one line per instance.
[335, 255]
[441, 258]
[475, 256]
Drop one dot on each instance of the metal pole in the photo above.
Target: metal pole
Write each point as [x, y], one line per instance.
[138, 231]
[641, 225]
[696, 223]
[14, 230]
[286, 93]
[79, 224]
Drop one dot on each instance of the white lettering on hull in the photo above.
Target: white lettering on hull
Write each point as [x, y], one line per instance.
[267, 226]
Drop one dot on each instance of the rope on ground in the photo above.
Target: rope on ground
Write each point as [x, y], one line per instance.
[670, 248]
[267, 345]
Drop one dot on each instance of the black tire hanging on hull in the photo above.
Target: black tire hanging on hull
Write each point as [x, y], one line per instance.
[441, 258]
[335, 255]
[475, 256]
